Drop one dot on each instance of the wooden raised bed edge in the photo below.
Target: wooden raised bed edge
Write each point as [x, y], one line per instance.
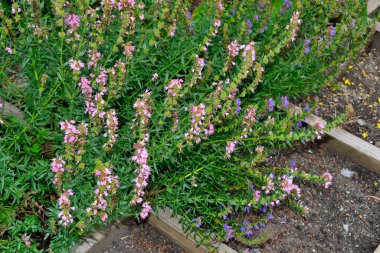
[168, 224]
[165, 222]
[347, 144]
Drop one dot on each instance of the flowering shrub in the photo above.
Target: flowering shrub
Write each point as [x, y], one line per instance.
[133, 105]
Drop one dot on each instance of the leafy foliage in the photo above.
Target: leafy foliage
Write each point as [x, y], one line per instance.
[177, 95]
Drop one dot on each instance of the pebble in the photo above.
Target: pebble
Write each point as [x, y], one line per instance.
[345, 227]
[361, 122]
[347, 173]
[377, 144]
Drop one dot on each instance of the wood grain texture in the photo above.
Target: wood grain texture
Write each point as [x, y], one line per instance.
[349, 145]
[372, 6]
[169, 225]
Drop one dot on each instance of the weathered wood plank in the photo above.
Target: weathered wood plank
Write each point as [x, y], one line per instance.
[169, 225]
[372, 6]
[349, 145]
[99, 240]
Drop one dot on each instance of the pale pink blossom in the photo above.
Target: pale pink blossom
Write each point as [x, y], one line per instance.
[76, 65]
[9, 50]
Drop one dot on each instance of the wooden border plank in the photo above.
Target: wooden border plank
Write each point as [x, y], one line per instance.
[169, 225]
[347, 144]
[372, 6]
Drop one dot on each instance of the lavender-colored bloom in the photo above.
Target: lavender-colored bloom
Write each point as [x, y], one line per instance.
[249, 25]
[238, 110]
[287, 4]
[270, 104]
[257, 17]
[229, 230]
[265, 208]
[238, 102]
[264, 29]
[262, 225]
[247, 209]
[332, 31]
[270, 217]
[299, 124]
[293, 164]
[252, 187]
[233, 11]
[242, 229]
[285, 101]
[306, 44]
[307, 108]
[262, 5]
[224, 217]
[249, 233]
[256, 228]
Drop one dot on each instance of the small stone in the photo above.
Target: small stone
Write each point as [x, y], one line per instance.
[377, 144]
[361, 122]
[345, 227]
[347, 173]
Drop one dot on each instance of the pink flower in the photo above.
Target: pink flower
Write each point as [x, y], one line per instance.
[155, 76]
[328, 177]
[230, 148]
[76, 65]
[233, 49]
[73, 21]
[26, 239]
[146, 210]
[9, 50]
[217, 23]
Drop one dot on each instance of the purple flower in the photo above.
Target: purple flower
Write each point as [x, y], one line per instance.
[249, 25]
[270, 104]
[306, 44]
[293, 164]
[285, 101]
[198, 221]
[238, 104]
[332, 31]
[252, 187]
[229, 231]
[287, 4]
[265, 208]
[256, 228]
[299, 124]
[262, 225]
[270, 217]
[307, 108]
[249, 233]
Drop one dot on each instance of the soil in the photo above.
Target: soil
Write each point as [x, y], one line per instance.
[357, 93]
[141, 238]
[342, 218]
